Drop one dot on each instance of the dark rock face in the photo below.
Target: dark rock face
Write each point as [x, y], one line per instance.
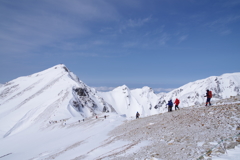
[85, 98]
[66, 69]
[81, 92]
[82, 99]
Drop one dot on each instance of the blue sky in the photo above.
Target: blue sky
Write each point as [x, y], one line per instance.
[162, 44]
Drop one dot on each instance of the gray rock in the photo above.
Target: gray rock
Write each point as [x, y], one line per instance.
[231, 145]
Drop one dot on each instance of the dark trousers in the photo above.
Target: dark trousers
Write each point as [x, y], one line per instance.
[170, 108]
[176, 107]
[208, 101]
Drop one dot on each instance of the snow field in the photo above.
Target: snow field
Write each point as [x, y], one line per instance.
[85, 139]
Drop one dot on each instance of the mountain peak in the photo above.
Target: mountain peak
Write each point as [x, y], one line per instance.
[123, 87]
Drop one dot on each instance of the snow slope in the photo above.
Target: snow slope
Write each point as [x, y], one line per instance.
[126, 101]
[46, 96]
[60, 141]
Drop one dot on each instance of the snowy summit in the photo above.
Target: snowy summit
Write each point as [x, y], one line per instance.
[54, 115]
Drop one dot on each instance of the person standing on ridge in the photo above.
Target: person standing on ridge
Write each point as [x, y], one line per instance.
[170, 105]
[209, 96]
[137, 115]
[177, 101]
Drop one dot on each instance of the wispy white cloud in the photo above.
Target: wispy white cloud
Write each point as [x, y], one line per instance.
[163, 89]
[130, 44]
[46, 23]
[157, 90]
[223, 21]
[221, 24]
[104, 88]
[226, 32]
[138, 22]
[132, 23]
[183, 38]
[164, 38]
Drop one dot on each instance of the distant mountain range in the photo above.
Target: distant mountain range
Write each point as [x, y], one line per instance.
[57, 93]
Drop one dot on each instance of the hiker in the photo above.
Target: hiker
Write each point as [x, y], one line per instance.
[170, 105]
[105, 116]
[96, 117]
[137, 115]
[177, 101]
[209, 96]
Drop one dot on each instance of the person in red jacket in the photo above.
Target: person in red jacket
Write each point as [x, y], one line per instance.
[177, 101]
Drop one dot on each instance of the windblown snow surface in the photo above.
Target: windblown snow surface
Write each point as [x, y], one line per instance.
[54, 115]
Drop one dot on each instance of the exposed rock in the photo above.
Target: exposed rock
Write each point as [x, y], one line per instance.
[231, 145]
[81, 91]
[190, 132]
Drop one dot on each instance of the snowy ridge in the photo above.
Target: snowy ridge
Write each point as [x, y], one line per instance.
[193, 93]
[146, 102]
[45, 96]
[128, 102]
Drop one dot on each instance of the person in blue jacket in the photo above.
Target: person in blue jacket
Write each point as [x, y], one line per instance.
[170, 105]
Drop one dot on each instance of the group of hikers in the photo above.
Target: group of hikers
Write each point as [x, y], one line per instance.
[170, 104]
[104, 116]
[177, 102]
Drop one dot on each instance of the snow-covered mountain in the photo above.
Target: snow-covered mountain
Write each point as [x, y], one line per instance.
[41, 117]
[146, 102]
[126, 101]
[60, 91]
[51, 95]
[193, 93]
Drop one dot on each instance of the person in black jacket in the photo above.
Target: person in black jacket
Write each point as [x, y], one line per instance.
[209, 96]
[137, 115]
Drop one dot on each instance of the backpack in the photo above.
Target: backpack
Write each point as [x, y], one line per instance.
[210, 94]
